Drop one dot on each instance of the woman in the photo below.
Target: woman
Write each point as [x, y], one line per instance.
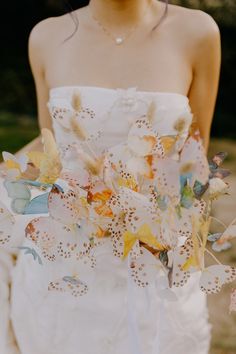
[131, 50]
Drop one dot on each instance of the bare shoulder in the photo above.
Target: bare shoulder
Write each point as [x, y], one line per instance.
[47, 35]
[196, 24]
[50, 30]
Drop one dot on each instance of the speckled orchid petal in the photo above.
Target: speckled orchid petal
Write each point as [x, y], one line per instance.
[57, 241]
[166, 176]
[140, 166]
[43, 233]
[145, 268]
[117, 227]
[67, 207]
[181, 269]
[193, 153]
[183, 223]
[69, 284]
[142, 139]
[215, 276]
[79, 178]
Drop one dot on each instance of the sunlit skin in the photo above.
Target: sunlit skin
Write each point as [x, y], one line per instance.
[182, 55]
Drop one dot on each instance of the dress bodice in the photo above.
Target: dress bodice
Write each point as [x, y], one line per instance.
[107, 114]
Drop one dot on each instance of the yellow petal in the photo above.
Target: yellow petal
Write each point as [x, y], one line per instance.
[129, 241]
[190, 262]
[103, 196]
[12, 165]
[145, 235]
[49, 143]
[149, 160]
[104, 210]
[128, 182]
[49, 161]
[49, 171]
[36, 157]
[100, 232]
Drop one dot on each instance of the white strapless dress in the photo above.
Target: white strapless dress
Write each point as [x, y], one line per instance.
[116, 316]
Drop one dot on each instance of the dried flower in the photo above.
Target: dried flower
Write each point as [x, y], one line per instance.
[151, 112]
[180, 125]
[187, 168]
[77, 129]
[76, 101]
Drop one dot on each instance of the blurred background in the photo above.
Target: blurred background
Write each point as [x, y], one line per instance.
[18, 124]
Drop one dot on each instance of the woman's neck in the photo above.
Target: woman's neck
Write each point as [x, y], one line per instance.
[115, 13]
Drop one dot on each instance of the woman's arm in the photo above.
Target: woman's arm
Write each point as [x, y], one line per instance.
[206, 72]
[8, 343]
[35, 52]
[36, 45]
[37, 49]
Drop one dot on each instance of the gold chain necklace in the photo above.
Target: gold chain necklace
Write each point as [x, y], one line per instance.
[117, 39]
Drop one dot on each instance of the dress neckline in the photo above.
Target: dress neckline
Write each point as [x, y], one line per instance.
[115, 90]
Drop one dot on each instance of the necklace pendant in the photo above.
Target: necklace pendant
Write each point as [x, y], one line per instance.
[119, 40]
